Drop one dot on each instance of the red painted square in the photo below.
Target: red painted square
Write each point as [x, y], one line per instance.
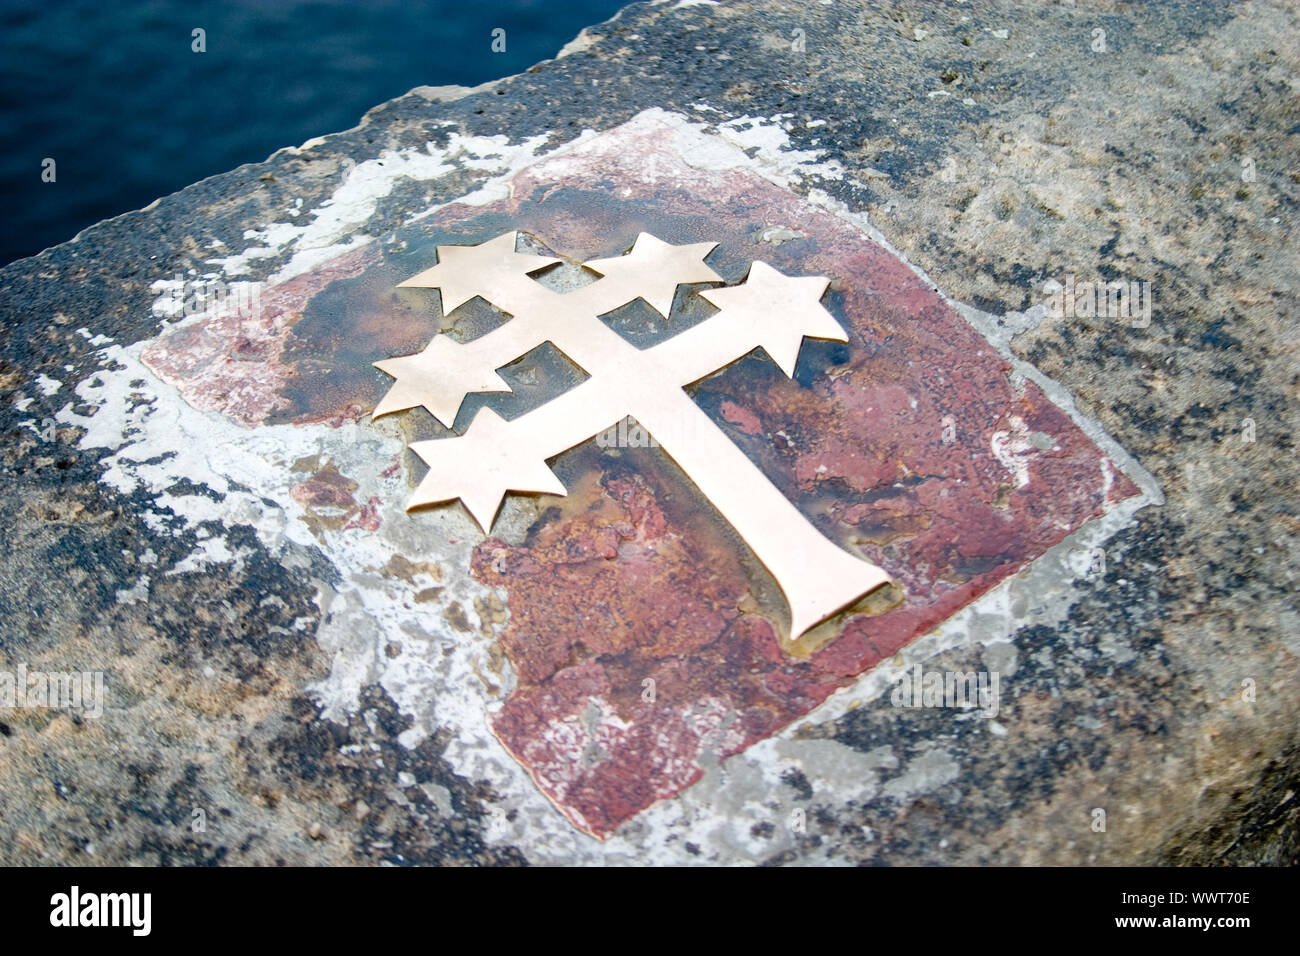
[909, 444]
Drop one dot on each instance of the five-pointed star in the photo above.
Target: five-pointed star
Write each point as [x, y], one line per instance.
[783, 309]
[654, 269]
[437, 378]
[480, 467]
[463, 272]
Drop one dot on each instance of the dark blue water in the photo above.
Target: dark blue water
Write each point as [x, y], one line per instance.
[113, 92]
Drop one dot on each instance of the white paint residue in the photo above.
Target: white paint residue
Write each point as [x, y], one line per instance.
[148, 446]
[1108, 480]
[93, 339]
[137, 592]
[337, 224]
[772, 154]
[927, 772]
[1012, 449]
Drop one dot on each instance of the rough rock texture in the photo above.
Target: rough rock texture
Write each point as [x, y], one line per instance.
[182, 512]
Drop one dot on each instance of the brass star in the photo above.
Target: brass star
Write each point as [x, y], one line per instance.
[479, 468]
[781, 309]
[463, 272]
[653, 269]
[436, 378]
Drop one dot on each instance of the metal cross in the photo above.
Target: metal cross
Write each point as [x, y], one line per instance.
[495, 456]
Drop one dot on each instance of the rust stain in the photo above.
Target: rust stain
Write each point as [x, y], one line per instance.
[328, 502]
[399, 566]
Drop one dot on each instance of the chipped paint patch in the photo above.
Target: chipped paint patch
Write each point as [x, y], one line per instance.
[337, 225]
[231, 360]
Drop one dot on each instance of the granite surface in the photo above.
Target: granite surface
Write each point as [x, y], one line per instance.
[285, 683]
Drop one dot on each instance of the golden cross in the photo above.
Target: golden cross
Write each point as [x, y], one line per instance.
[496, 456]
